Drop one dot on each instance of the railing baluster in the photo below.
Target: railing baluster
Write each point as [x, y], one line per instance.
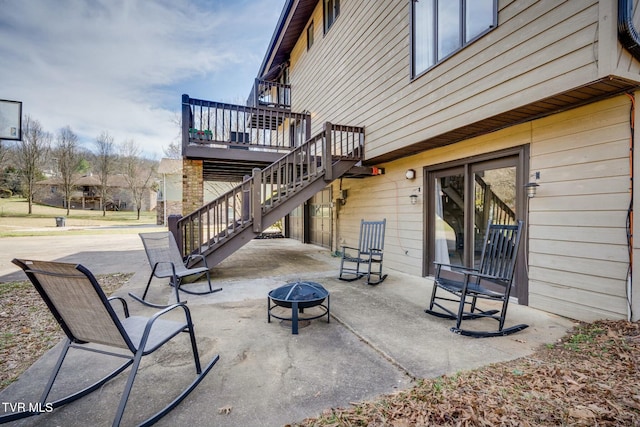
[208, 118]
[207, 237]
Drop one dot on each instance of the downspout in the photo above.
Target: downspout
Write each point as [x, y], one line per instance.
[630, 38]
[629, 284]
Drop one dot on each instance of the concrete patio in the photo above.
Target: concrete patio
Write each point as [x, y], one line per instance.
[377, 342]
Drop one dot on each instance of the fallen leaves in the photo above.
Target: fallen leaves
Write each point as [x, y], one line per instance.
[590, 377]
[28, 329]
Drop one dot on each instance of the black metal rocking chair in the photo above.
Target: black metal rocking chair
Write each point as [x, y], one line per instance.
[86, 316]
[166, 261]
[369, 252]
[491, 281]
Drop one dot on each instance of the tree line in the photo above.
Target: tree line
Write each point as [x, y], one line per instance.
[41, 153]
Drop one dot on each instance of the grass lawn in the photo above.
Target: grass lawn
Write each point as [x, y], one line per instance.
[15, 220]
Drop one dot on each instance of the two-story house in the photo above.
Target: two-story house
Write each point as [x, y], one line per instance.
[438, 116]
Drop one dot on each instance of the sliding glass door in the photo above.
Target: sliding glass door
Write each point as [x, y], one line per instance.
[494, 199]
[462, 198]
[448, 221]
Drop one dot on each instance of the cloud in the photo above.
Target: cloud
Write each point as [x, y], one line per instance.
[121, 66]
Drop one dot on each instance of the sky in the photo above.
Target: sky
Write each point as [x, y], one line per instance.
[121, 66]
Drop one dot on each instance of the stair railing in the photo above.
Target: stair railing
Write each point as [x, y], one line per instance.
[271, 94]
[246, 204]
[493, 206]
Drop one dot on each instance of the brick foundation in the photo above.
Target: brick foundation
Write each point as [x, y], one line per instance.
[192, 185]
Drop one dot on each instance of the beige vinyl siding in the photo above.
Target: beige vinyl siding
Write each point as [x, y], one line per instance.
[387, 196]
[534, 58]
[578, 257]
[341, 72]
[359, 74]
[576, 233]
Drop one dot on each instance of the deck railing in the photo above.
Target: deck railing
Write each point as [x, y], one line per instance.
[270, 94]
[246, 204]
[218, 124]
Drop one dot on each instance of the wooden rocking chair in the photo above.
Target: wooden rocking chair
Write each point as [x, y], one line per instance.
[369, 252]
[491, 281]
[86, 316]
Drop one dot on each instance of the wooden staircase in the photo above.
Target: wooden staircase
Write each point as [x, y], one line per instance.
[224, 225]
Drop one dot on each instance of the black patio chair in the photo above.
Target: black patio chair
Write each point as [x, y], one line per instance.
[369, 252]
[166, 261]
[492, 281]
[86, 316]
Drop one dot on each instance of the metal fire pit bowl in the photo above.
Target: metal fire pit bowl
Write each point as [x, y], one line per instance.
[297, 296]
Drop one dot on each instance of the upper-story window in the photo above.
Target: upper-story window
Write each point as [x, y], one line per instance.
[310, 35]
[331, 11]
[442, 27]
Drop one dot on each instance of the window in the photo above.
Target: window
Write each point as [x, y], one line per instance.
[331, 12]
[310, 36]
[442, 27]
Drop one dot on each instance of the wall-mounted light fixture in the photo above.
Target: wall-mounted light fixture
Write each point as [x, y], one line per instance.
[531, 188]
[414, 199]
[410, 174]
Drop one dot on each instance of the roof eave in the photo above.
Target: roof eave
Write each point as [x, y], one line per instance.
[276, 37]
[291, 25]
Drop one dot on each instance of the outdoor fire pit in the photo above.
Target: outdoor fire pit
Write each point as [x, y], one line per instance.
[297, 296]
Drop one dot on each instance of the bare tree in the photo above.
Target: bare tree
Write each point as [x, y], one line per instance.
[68, 161]
[173, 150]
[137, 172]
[7, 171]
[4, 150]
[32, 152]
[3, 153]
[104, 165]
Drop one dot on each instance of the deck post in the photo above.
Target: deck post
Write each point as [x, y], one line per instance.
[186, 122]
[307, 131]
[172, 222]
[256, 201]
[326, 153]
[246, 199]
[256, 92]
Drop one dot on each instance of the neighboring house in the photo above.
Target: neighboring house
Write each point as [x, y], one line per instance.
[87, 194]
[170, 189]
[461, 104]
